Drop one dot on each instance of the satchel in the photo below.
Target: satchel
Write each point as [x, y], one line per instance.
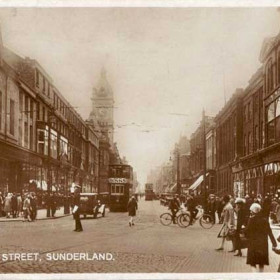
[243, 242]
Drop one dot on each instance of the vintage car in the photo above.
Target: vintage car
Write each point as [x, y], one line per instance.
[89, 205]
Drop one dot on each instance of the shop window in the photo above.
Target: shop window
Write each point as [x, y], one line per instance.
[26, 105]
[250, 144]
[245, 144]
[271, 133]
[271, 112]
[277, 129]
[31, 109]
[38, 111]
[256, 138]
[31, 137]
[53, 144]
[277, 112]
[25, 134]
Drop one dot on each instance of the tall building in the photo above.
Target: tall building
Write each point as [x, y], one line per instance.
[103, 106]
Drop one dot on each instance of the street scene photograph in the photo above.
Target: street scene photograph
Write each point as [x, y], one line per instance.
[139, 140]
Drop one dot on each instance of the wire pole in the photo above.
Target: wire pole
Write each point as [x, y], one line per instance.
[204, 157]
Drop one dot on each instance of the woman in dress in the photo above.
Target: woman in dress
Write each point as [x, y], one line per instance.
[228, 221]
[257, 231]
[132, 207]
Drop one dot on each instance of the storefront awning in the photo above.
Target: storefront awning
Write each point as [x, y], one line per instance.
[198, 181]
[173, 188]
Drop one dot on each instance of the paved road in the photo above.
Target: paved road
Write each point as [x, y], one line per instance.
[146, 247]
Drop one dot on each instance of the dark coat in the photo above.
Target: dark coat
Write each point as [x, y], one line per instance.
[241, 218]
[132, 207]
[257, 232]
[14, 203]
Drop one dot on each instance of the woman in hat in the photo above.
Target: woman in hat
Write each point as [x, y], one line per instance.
[132, 207]
[241, 218]
[258, 230]
[228, 221]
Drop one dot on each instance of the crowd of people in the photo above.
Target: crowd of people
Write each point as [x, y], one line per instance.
[25, 206]
[244, 222]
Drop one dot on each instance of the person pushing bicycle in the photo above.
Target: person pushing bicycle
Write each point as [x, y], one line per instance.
[174, 207]
[191, 205]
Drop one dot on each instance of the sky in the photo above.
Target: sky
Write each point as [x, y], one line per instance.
[164, 64]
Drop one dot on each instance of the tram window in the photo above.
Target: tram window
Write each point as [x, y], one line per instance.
[121, 189]
[113, 189]
[117, 189]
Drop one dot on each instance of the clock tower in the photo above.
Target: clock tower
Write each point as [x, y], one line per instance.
[102, 106]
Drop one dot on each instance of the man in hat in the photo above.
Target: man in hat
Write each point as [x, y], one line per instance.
[76, 209]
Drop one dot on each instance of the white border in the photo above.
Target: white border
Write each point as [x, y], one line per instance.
[139, 3]
[144, 276]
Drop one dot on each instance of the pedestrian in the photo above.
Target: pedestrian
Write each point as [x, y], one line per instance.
[191, 206]
[76, 209]
[1, 205]
[240, 211]
[174, 206]
[273, 208]
[19, 205]
[228, 221]
[27, 208]
[33, 204]
[14, 205]
[220, 206]
[52, 203]
[277, 211]
[132, 206]
[212, 207]
[8, 205]
[266, 205]
[257, 231]
[248, 203]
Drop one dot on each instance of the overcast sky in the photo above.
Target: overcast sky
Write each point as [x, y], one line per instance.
[160, 62]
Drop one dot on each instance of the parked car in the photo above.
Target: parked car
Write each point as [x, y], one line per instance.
[90, 205]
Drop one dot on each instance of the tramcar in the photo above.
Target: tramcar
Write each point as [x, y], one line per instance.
[120, 182]
[149, 192]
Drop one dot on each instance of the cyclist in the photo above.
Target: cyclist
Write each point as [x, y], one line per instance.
[191, 205]
[174, 207]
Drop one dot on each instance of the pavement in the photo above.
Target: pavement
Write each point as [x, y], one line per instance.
[41, 215]
[144, 248]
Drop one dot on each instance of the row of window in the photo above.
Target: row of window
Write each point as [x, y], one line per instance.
[58, 103]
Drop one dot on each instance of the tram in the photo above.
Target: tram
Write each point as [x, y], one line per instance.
[120, 186]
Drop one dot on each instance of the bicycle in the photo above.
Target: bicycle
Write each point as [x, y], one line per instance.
[205, 220]
[181, 219]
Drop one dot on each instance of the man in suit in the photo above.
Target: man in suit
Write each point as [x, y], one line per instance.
[76, 209]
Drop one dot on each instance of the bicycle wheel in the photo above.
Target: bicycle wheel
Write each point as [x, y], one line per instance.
[206, 221]
[165, 219]
[184, 220]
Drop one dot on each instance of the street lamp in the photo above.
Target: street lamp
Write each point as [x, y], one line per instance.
[178, 189]
[204, 156]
